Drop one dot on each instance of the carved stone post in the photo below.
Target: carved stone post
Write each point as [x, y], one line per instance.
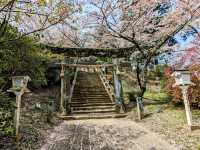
[62, 95]
[17, 112]
[187, 105]
[140, 107]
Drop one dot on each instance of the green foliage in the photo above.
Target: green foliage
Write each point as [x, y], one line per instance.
[6, 114]
[104, 59]
[132, 95]
[163, 83]
[21, 57]
[162, 96]
[158, 71]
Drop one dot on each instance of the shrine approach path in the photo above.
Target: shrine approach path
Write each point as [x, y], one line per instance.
[104, 134]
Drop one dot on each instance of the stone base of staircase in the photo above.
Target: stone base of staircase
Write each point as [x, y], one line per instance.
[90, 100]
[92, 116]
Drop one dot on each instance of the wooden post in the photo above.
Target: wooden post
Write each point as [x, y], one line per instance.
[62, 95]
[187, 106]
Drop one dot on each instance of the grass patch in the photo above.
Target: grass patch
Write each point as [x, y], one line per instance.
[196, 114]
[151, 108]
[172, 123]
[158, 96]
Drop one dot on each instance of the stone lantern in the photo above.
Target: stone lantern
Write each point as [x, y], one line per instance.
[19, 87]
[183, 80]
[20, 83]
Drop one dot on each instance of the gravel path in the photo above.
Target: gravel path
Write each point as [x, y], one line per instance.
[108, 134]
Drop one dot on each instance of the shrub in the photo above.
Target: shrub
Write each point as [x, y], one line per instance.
[6, 114]
[132, 95]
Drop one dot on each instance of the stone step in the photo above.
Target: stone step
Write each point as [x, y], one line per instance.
[91, 98]
[84, 77]
[94, 90]
[82, 80]
[75, 104]
[89, 90]
[89, 93]
[93, 107]
[92, 116]
[88, 85]
[94, 111]
[91, 102]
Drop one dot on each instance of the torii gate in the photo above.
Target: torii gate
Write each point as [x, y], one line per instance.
[86, 52]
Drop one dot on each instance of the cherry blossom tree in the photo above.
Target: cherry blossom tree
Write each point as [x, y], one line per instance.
[34, 16]
[146, 25]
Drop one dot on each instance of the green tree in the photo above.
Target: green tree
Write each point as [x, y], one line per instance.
[21, 57]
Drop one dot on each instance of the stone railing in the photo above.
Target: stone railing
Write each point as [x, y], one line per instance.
[109, 89]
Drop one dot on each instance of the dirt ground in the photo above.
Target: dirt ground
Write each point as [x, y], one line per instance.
[106, 134]
[172, 125]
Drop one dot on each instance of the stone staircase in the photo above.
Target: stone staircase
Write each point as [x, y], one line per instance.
[90, 99]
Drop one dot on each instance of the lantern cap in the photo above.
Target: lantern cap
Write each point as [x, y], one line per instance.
[16, 77]
[19, 83]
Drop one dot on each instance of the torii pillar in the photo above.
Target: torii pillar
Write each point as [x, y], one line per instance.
[62, 90]
[118, 87]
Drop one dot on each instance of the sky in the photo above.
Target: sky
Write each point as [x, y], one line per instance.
[183, 43]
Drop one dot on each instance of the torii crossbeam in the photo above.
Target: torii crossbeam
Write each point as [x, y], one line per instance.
[98, 52]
